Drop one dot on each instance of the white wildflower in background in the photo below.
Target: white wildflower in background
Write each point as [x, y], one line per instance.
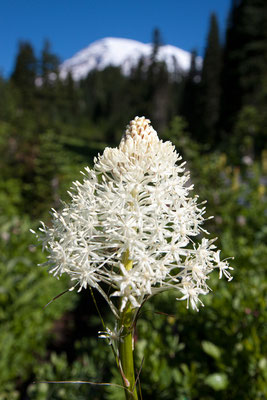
[133, 208]
[113, 336]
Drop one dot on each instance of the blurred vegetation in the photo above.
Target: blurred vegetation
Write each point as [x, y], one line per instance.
[49, 130]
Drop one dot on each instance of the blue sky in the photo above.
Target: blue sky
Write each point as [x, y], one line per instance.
[71, 25]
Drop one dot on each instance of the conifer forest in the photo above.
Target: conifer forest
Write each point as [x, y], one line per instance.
[50, 130]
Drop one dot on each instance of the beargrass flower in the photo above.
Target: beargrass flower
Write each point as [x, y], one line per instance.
[130, 231]
[132, 227]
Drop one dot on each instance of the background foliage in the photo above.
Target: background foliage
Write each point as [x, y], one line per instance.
[50, 129]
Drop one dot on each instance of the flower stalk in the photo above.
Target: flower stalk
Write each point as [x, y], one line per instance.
[126, 354]
[126, 344]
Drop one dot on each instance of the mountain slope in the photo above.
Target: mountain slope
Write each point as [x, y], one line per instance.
[121, 52]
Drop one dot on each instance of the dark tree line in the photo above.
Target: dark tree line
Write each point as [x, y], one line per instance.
[223, 101]
[233, 76]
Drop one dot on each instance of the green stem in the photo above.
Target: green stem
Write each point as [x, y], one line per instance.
[126, 354]
[126, 346]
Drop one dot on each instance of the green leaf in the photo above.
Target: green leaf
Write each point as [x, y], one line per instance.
[211, 349]
[217, 381]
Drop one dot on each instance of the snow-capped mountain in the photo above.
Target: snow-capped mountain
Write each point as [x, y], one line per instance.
[124, 53]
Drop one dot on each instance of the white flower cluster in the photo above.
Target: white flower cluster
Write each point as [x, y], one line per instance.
[131, 225]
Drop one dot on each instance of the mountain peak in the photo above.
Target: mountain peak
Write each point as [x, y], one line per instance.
[124, 53]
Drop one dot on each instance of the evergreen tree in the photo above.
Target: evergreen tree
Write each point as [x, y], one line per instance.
[25, 73]
[72, 96]
[210, 83]
[51, 98]
[49, 65]
[25, 70]
[154, 64]
[190, 99]
[244, 58]
[8, 101]
[137, 86]
[157, 42]
[158, 88]
[161, 98]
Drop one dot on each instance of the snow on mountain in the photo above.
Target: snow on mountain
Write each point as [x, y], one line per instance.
[124, 53]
